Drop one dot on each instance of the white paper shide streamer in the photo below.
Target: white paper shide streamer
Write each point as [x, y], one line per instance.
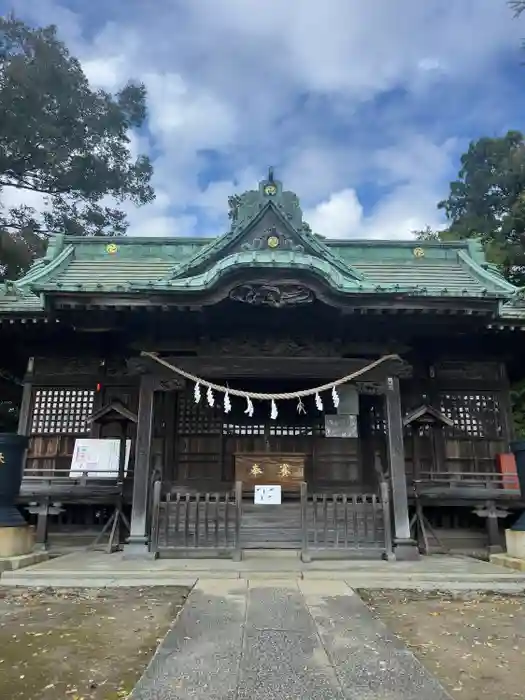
[249, 397]
[249, 407]
[197, 392]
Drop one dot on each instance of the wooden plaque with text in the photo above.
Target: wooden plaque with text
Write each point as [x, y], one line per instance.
[269, 468]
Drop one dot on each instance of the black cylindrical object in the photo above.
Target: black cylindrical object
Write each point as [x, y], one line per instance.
[12, 450]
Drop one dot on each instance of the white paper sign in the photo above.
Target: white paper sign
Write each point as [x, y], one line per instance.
[97, 459]
[267, 494]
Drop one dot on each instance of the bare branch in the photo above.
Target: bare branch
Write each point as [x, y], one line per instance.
[517, 6]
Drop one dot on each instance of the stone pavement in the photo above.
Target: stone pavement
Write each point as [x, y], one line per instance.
[311, 640]
[97, 569]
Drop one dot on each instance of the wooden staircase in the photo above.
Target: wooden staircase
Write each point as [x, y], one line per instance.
[271, 526]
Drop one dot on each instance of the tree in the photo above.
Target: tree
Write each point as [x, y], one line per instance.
[427, 234]
[488, 201]
[64, 141]
[17, 251]
[518, 6]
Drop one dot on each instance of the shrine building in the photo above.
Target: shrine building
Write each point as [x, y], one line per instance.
[277, 389]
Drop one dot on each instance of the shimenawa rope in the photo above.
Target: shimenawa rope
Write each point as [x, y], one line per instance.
[258, 396]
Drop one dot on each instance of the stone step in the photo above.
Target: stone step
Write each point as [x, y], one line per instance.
[189, 578]
[246, 569]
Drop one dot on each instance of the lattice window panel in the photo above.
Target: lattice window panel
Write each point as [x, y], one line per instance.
[474, 415]
[296, 430]
[248, 429]
[198, 418]
[62, 411]
[243, 429]
[421, 429]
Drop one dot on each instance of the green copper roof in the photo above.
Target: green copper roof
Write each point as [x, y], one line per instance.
[267, 237]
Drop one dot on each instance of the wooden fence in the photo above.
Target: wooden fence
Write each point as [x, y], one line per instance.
[343, 525]
[195, 523]
[335, 525]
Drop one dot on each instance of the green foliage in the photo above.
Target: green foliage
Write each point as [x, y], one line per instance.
[17, 250]
[517, 397]
[487, 201]
[63, 140]
[427, 234]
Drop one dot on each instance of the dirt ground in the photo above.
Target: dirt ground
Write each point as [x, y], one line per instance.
[474, 644]
[80, 644]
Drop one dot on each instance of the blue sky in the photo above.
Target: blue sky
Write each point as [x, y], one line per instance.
[362, 106]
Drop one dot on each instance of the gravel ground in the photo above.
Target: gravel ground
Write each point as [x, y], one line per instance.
[473, 643]
[81, 644]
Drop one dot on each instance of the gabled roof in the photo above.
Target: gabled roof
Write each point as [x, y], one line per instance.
[425, 413]
[115, 411]
[266, 220]
[267, 237]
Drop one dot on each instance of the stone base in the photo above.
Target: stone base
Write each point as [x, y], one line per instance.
[508, 562]
[15, 563]
[515, 556]
[137, 550]
[16, 541]
[406, 550]
[515, 541]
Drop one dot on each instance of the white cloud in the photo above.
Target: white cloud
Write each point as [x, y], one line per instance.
[409, 209]
[107, 72]
[162, 226]
[413, 170]
[237, 85]
[191, 117]
[340, 216]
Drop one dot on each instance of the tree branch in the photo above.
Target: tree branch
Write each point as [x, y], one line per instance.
[517, 6]
[21, 184]
[7, 226]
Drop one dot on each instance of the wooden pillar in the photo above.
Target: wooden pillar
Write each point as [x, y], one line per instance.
[137, 544]
[404, 546]
[24, 417]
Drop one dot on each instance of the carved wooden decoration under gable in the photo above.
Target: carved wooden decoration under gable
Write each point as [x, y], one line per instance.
[488, 371]
[272, 238]
[275, 295]
[117, 367]
[370, 388]
[67, 366]
[269, 347]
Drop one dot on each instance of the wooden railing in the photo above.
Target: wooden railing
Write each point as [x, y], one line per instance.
[59, 484]
[340, 524]
[196, 522]
[507, 484]
[53, 473]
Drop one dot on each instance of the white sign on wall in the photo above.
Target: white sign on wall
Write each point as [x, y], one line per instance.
[97, 458]
[263, 494]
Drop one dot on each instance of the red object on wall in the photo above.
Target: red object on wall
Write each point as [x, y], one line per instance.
[507, 468]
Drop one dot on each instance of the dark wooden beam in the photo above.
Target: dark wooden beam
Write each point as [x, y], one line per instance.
[137, 545]
[272, 367]
[405, 546]
[24, 418]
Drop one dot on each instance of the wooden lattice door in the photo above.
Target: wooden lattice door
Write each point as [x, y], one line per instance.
[198, 446]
